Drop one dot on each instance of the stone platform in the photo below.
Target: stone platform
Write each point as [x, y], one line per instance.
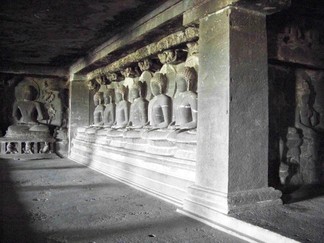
[166, 177]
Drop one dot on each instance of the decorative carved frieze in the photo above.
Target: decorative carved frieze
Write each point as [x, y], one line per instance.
[184, 36]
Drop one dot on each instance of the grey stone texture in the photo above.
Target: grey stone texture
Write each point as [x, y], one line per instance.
[233, 98]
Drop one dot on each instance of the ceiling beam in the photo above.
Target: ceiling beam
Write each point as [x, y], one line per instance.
[169, 10]
[29, 69]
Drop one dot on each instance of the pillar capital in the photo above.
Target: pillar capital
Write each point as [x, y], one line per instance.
[198, 9]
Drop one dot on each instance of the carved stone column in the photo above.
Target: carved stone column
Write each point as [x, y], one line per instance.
[79, 104]
[232, 156]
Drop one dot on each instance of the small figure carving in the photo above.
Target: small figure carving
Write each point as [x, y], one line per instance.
[192, 58]
[289, 170]
[138, 109]
[28, 148]
[293, 143]
[306, 120]
[11, 149]
[130, 75]
[101, 79]
[159, 110]
[48, 95]
[306, 115]
[92, 85]
[122, 108]
[51, 111]
[110, 108]
[45, 149]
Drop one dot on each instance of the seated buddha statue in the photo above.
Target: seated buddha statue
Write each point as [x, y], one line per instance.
[108, 116]
[184, 120]
[185, 103]
[137, 118]
[110, 107]
[138, 109]
[27, 115]
[159, 110]
[122, 116]
[98, 113]
[159, 115]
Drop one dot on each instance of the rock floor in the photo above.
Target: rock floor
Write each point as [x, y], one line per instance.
[62, 201]
[301, 219]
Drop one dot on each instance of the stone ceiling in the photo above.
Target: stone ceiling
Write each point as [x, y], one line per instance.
[58, 32]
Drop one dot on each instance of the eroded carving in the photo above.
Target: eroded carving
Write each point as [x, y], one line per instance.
[110, 108]
[122, 108]
[160, 107]
[146, 76]
[138, 109]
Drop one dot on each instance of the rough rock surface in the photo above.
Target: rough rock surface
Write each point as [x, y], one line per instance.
[56, 33]
[62, 201]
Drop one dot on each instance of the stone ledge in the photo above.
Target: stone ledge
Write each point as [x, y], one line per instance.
[229, 203]
[161, 176]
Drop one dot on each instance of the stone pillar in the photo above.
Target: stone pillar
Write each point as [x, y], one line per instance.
[232, 156]
[79, 106]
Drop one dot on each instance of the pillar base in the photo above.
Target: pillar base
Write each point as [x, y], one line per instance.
[209, 203]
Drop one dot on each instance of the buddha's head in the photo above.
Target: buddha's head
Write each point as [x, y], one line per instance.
[98, 98]
[135, 91]
[120, 93]
[29, 93]
[186, 79]
[158, 83]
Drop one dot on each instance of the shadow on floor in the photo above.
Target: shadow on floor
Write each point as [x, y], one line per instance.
[14, 226]
[303, 193]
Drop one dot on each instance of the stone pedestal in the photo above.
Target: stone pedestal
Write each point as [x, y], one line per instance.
[232, 152]
[79, 106]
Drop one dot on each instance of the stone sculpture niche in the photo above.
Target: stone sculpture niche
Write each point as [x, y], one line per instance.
[157, 112]
[300, 160]
[29, 134]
